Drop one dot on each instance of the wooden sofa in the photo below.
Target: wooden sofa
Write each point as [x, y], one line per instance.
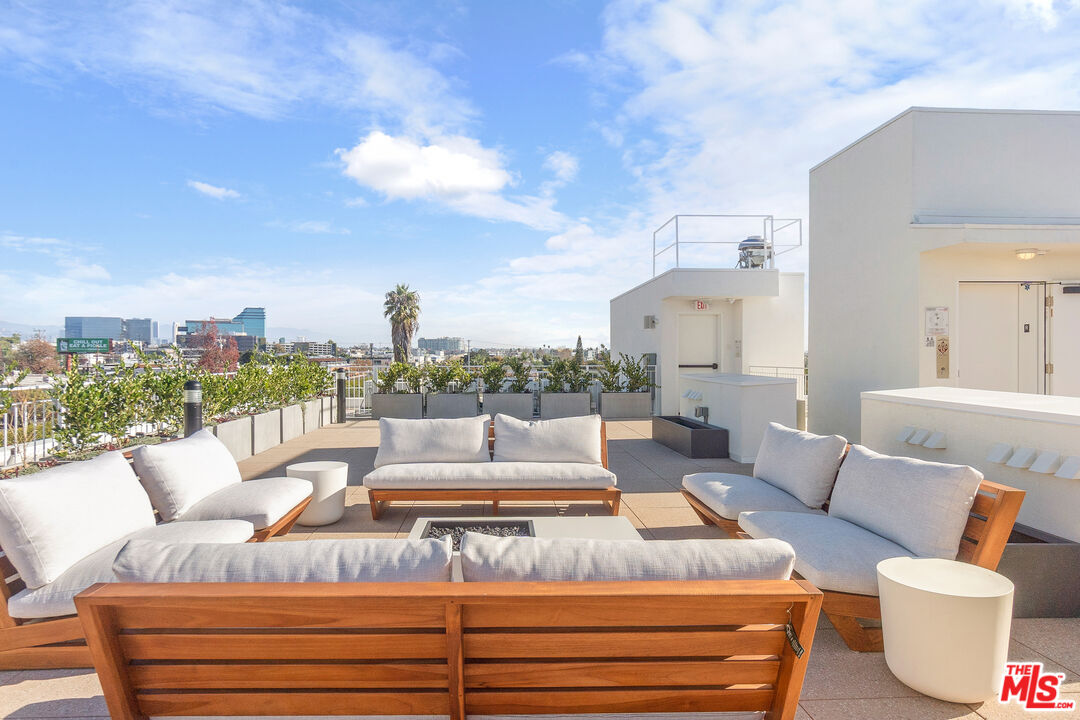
[449, 648]
[610, 496]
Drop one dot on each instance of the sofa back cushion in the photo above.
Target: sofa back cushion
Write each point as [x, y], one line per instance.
[571, 439]
[800, 463]
[51, 520]
[345, 560]
[179, 474]
[922, 506]
[457, 440]
[515, 559]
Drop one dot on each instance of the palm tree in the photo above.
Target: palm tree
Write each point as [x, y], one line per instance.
[402, 306]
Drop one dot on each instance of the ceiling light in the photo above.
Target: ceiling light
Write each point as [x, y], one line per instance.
[1028, 253]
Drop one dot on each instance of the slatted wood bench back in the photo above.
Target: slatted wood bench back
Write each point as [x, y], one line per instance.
[449, 648]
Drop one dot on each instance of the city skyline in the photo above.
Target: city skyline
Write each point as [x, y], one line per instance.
[508, 161]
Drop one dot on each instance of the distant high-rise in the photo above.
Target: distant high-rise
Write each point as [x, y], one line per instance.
[254, 321]
[94, 327]
[441, 344]
[249, 328]
[140, 329]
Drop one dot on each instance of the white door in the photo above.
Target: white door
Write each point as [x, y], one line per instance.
[1065, 342]
[1001, 335]
[699, 343]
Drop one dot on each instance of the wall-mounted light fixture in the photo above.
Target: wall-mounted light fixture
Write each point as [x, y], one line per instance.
[1029, 253]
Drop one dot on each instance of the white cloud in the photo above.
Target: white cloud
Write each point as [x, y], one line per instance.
[310, 227]
[563, 165]
[218, 193]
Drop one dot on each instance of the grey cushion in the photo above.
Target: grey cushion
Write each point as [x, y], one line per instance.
[433, 440]
[800, 463]
[571, 439]
[261, 502]
[57, 598]
[179, 474]
[351, 560]
[728, 495]
[495, 559]
[921, 505]
[505, 475]
[831, 553]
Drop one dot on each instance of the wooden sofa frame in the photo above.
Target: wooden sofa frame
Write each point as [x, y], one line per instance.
[857, 617]
[609, 496]
[453, 649]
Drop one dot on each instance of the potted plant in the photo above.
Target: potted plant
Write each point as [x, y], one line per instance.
[626, 388]
[515, 400]
[398, 392]
[567, 391]
[448, 391]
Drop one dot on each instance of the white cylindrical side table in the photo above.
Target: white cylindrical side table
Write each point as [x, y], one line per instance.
[328, 499]
[946, 626]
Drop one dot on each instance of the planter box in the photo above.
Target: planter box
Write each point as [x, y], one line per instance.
[328, 414]
[397, 405]
[1043, 569]
[516, 405]
[689, 437]
[236, 436]
[557, 405]
[265, 431]
[312, 415]
[292, 422]
[625, 405]
[452, 405]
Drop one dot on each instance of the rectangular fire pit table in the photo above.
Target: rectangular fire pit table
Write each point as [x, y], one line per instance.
[595, 528]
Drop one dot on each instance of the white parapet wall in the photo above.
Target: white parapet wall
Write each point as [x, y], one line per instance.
[744, 405]
[1027, 441]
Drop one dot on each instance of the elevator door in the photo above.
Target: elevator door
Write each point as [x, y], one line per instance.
[1001, 336]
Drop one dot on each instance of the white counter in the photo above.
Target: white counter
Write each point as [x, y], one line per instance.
[986, 430]
[742, 404]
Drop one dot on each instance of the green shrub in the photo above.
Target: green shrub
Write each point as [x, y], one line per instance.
[519, 370]
[636, 373]
[493, 375]
[609, 374]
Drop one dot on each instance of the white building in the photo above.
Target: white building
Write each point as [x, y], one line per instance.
[945, 251]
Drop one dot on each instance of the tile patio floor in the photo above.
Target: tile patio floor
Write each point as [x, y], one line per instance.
[840, 684]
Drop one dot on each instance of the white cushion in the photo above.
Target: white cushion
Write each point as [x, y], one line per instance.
[52, 519]
[347, 560]
[456, 440]
[179, 474]
[261, 502]
[800, 463]
[506, 475]
[831, 553]
[516, 559]
[921, 505]
[728, 495]
[572, 439]
[57, 598]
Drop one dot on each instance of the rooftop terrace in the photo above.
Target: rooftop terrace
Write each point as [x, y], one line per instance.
[840, 684]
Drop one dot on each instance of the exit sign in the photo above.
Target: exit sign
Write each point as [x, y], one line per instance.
[83, 345]
[701, 305]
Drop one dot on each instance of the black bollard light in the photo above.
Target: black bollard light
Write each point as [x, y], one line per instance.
[342, 376]
[192, 407]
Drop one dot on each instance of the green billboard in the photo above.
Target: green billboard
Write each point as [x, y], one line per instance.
[83, 345]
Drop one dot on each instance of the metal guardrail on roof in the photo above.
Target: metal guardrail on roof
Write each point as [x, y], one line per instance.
[689, 237]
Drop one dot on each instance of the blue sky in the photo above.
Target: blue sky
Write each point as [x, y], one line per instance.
[507, 160]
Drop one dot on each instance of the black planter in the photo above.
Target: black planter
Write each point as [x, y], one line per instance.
[689, 437]
[1043, 569]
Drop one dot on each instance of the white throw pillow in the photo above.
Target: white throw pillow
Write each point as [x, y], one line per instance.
[800, 463]
[456, 440]
[179, 474]
[345, 560]
[51, 520]
[920, 505]
[519, 559]
[572, 439]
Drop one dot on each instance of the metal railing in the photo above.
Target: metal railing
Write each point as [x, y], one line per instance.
[798, 374]
[26, 431]
[780, 235]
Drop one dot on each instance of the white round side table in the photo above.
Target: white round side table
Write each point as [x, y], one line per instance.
[328, 499]
[945, 626]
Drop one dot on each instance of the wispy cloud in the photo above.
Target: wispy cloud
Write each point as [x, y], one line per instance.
[310, 227]
[218, 193]
[563, 165]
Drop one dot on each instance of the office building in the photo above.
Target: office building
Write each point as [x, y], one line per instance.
[315, 349]
[441, 344]
[139, 329]
[94, 327]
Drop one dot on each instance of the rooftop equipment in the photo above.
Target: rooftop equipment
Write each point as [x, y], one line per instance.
[753, 253]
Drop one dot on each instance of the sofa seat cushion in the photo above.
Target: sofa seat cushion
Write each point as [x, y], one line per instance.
[57, 598]
[562, 440]
[800, 463]
[920, 505]
[453, 440]
[51, 520]
[179, 474]
[831, 553]
[517, 559]
[261, 502]
[728, 495]
[344, 560]
[501, 475]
